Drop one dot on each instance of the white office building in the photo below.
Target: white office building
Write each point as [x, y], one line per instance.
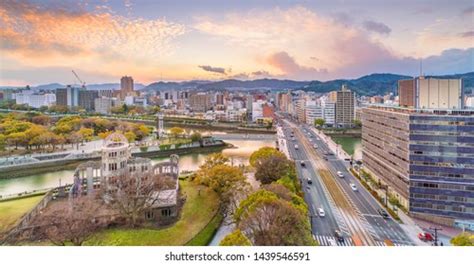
[35, 100]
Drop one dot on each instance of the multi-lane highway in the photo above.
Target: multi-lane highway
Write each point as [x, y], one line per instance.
[352, 212]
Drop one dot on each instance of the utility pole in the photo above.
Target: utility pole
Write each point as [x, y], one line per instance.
[436, 229]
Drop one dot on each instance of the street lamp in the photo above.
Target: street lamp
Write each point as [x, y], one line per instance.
[436, 229]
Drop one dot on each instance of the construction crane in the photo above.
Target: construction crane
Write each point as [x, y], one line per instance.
[80, 81]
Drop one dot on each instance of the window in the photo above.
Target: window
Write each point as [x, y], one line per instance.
[166, 212]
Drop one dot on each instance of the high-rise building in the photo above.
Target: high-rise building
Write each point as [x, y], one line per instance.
[68, 96]
[126, 86]
[249, 106]
[345, 106]
[431, 93]
[300, 106]
[423, 149]
[219, 99]
[86, 99]
[200, 102]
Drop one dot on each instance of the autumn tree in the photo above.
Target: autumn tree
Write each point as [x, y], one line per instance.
[262, 153]
[236, 238]
[272, 168]
[41, 120]
[176, 132]
[131, 137]
[463, 239]
[86, 133]
[70, 223]
[227, 181]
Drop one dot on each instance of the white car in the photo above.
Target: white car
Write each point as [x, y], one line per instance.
[321, 212]
[339, 174]
[315, 146]
[353, 187]
[310, 140]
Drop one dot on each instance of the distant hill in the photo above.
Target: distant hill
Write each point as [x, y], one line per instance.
[175, 85]
[252, 84]
[373, 84]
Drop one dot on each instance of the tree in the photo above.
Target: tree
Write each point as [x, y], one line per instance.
[17, 138]
[75, 138]
[272, 168]
[227, 181]
[141, 131]
[236, 238]
[267, 220]
[41, 120]
[319, 122]
[86, 133]
[130, 136]
[176, 132]
[132, 195]
[463, 239]
[195, 137]
[211, 161]
[104, 135]
[357, 123]
[263, 153]
[3, 141]
[64, 223]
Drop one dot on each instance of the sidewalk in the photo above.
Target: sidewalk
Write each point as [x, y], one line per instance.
[335, 148]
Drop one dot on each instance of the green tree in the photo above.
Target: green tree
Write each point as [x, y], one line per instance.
[357, 123]
[195, 137]
[319, 122]
[463, 239]
[267, 220]
[236, 238]
[264, 152]
[3, 141]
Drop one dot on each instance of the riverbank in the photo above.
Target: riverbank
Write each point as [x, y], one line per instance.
[70, 164]
[342, 132]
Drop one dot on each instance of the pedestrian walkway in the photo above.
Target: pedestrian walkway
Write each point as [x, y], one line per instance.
[332, 241]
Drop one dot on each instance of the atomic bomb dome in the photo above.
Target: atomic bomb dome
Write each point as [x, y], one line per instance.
[115, 153]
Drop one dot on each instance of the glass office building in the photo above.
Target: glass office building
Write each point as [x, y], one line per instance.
[426, 157]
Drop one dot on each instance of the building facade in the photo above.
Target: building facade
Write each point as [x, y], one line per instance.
[345, 106]
[200, 102]
[126, 86]
[431, 93]
[426, 157]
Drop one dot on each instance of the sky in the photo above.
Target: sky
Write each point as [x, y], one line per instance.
[164, 40]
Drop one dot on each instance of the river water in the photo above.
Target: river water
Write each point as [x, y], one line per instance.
[238, 155]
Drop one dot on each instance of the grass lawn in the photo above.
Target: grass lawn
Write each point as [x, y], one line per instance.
[197, 213]
[11, 211]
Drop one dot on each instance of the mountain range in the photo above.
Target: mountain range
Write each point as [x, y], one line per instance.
[373, 84]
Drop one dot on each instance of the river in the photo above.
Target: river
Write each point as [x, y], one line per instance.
[238, 155]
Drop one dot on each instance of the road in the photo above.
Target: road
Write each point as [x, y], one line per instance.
[354, 213]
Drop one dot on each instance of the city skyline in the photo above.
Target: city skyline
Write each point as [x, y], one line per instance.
[103, 40]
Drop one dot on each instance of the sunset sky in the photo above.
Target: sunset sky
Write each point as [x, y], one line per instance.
[41, 41]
